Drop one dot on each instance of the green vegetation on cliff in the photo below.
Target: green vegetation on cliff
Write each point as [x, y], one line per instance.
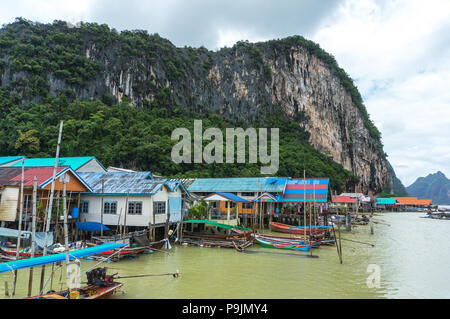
[121, 135]
[47, 74]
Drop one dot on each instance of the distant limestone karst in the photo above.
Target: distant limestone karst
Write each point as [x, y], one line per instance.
[435, 186]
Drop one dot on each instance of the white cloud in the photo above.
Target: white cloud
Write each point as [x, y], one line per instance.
[45, 11]
[396, 51]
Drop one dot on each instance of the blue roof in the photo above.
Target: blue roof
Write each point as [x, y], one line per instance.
[232, 197]
[119, 183]
[74, 162]
[50, 259]
[174, 184]
[9, 159]
[239, 184]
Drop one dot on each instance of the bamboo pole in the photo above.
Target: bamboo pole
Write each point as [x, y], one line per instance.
[304, 205]
[49, 215]
[125, 218]
[33, 234]
[66, 231]
[102, 208]
[340, 242]
[19, 232]
[154, 227]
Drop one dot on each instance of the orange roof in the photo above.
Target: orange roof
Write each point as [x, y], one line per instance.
[413, 201]
[424, 201]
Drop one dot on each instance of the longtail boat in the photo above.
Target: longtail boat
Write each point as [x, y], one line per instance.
[289, 229]
[215, 231]
[314, 240]
[118, 254]
[99, 284]
[22, 253]
[293, 245]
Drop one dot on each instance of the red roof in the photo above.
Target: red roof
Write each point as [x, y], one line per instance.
[42, 173]
[343, 199]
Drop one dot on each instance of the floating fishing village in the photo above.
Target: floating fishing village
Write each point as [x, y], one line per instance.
[214, 158]
[60, 212]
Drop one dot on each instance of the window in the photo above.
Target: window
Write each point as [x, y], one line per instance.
[247, 205]
[85, 207]
[232, 204]
[248, 194]
[110, 208]
[135, 208]
[159, 208]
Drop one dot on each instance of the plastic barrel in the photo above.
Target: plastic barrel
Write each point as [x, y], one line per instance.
[75, 212]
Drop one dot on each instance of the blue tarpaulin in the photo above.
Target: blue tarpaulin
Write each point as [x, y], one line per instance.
[50, 259]
[175, 209]
[91, 226]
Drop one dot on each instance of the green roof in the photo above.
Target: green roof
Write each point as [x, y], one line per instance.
[386, 201]
[74, 162]
[213, 223]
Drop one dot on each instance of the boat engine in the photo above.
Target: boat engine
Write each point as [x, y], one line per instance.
[98, 277]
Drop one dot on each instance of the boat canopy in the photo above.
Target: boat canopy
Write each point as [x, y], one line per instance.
[13, 233]
[53, 258]
[213, 223]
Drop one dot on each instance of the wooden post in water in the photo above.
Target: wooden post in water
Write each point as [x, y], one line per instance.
[125, 219]
[33, 235]
[340, 242]
[371, 224]
[19, 232]
[49, 215]
[304, 205]
[166, 227]
[180, 234]
[102, 208]
[66, 231]
[153, 226]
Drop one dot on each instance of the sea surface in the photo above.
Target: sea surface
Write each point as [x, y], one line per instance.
[410, 259]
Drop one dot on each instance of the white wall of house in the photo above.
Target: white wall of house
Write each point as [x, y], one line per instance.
[144, 220]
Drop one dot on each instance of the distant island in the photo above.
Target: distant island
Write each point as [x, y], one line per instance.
[435, 186]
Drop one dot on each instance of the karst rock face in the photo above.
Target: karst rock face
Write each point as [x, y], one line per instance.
[245, 83]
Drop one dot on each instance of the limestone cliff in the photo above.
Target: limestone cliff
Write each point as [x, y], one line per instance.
[245, 83]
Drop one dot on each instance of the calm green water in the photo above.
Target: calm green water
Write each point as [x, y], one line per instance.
[412, 254]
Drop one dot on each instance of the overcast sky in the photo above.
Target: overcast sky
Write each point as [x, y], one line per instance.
[396, 51]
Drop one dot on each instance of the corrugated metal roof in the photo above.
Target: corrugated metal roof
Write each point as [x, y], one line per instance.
[239, 184]
[12, 176]
[386, 201]
[7, 173]
[74, 162]
[231, 197]
[42, 174]
[124, 182]
[309, 190]
[343, 199]
[8, 159]
[413, 201]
